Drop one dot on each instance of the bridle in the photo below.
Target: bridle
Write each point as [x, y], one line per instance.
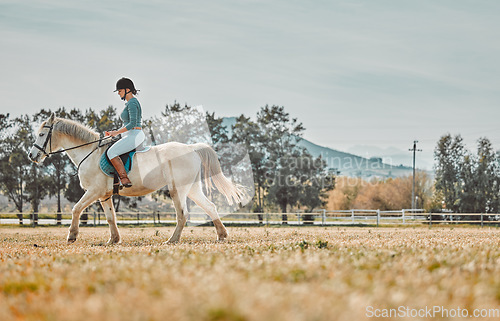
[48, 141]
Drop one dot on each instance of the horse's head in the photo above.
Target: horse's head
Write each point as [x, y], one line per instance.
[44, 144]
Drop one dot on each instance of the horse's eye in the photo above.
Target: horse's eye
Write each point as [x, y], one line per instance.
[41, 134]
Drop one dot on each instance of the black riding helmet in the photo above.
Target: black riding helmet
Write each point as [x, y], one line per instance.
[125, 83]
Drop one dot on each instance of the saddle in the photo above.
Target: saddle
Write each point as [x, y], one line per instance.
[127, 158]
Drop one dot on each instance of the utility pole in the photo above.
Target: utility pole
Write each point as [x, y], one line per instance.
[414, 150]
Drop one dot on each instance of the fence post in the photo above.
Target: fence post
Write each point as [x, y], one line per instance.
[378, 217]
[94, 219]
[352, 215]
[430, 220]
[403, 210]
[481, 219]
[298, 218]
[324, 216]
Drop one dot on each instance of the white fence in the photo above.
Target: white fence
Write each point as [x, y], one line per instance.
[318, 217]
[362, 216]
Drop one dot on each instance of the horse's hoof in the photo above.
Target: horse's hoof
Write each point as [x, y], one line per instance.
[113, 241]
[170, 241]
[71, 241]
[222, 237]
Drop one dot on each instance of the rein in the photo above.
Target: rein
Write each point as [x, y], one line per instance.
[99, 145]
[49, 142]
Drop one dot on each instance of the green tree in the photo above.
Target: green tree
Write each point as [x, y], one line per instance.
[480, 190]
[487, 174]
[104, 120]
[20, 179]
[12, 176]
[450, 156]
[468, 183]
[467, 195]
[249, 134]
[301, 180]
[281, 135]
[316, 181]
[218, 131]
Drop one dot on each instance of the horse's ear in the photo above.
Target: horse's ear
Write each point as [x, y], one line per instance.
[52, 117]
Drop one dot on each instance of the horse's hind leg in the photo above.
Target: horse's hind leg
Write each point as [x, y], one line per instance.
[109, 210]
[88, 198]
[179, 198]
[197, 195]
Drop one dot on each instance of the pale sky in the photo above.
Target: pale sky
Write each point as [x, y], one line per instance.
[376, 73]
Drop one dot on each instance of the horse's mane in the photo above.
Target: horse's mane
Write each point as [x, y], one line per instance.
[75, 130]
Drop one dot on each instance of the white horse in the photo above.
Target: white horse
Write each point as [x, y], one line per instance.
[175, 165]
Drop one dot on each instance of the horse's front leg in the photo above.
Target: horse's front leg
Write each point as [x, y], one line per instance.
[109, 210]
[88, 198]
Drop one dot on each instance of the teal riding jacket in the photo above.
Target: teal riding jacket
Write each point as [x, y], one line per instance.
[132, 114]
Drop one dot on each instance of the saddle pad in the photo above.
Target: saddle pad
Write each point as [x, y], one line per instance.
[127, 158]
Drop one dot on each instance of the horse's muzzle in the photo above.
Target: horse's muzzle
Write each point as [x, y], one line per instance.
[34, 158]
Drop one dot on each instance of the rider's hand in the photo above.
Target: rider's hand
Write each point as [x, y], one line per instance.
[110, 133]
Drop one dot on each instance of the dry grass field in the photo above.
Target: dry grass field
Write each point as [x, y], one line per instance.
[302, 273]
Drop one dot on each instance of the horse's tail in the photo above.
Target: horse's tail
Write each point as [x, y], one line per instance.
[213, 171]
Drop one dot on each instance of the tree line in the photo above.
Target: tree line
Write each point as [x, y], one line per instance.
[466, 182]
[285, 175]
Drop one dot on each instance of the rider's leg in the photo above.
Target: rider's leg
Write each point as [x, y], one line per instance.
[128, 142]
[120, 169]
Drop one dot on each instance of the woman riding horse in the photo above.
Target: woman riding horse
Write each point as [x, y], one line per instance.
[132, 132]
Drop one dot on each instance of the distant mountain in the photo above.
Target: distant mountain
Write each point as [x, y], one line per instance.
[353, 165]
[345, 163]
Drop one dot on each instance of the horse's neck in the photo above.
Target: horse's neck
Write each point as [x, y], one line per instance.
[78, 154]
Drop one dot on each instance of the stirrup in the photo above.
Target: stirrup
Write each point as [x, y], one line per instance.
[118, 185]
[125, 185]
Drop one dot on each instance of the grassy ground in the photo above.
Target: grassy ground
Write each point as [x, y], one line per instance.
[306, 273]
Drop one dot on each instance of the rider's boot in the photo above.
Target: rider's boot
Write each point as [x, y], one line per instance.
[120, 169]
